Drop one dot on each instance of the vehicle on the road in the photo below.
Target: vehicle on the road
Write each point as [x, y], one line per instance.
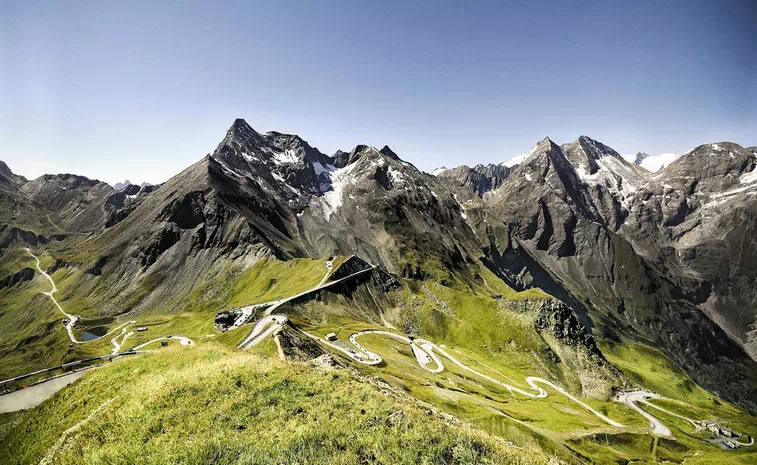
[331, 337]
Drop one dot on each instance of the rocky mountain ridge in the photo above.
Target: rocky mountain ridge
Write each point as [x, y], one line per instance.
[637, 255]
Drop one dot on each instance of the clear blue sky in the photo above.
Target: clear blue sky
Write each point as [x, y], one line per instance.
[140, 90]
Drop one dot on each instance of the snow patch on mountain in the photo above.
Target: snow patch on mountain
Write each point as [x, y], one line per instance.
[332, 200]
[286, 157]
[614, 175]
[655, 163]
[748, 178]
[516, 160]
[396, 176]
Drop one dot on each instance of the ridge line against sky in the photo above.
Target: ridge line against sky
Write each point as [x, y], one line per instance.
[140, 91]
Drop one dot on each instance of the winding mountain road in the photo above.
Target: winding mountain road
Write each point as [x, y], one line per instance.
[274, 305]
[185, 341]
[429, 357]
[55, 225]
[425, 351]
[425, 354]
[263, 328]
[72, 319]
[632, 398]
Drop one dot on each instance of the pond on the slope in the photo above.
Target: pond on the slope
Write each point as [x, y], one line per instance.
[94, 328]
[90, 334]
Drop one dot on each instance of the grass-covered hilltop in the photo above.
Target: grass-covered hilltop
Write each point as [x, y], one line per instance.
[215, 405]
[272, 304]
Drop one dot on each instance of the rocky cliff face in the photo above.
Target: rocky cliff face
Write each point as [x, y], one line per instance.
[570, 346]
[561, 322]
[638, 252]
[480, 179]
[696, 222]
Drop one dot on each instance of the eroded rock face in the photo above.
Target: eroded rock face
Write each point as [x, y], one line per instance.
[18, 236]
[297, 346]
[348, 267]
[186, 213]
[562, 322]
[97, 267]
[480, 179]
[570, 346]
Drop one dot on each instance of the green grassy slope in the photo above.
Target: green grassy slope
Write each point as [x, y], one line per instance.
[32, 336]
[14, 260]
[213, 405]
[476, 316]
[495, 337]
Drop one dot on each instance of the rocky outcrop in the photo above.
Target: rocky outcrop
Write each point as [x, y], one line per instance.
[26, 274]
[570, 346]
[557, 319]
[297, 346]
[18, 236]
[561, 321]
[350, 266]
[59, 264]
[96, 269]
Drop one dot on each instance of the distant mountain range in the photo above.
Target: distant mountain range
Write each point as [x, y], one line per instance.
[119, 186]
[661, 256]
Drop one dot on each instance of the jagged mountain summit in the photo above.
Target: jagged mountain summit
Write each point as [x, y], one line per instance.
[119, 186]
